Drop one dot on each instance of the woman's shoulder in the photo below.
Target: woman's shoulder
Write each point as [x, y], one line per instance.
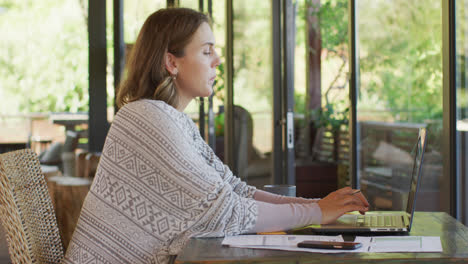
[150, 109]
[153, 112]
[148, 105]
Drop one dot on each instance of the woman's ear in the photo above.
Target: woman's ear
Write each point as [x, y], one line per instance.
[171, 64]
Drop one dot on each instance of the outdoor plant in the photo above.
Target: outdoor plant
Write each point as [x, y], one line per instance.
[219, 124]
[329, 117]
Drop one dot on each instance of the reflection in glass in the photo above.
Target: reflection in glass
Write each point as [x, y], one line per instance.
[321, 97]
[253, 91]
[418, 154]
[400, 76]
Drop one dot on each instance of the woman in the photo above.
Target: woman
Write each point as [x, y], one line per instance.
[158, 183]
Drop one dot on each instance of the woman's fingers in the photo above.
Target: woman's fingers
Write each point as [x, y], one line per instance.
[363, 199]
[360, 200]
[345, 190]
[357, 194]
[354, 192]
[350, 200]
[347, 195]
[342, 201]
[354, 207]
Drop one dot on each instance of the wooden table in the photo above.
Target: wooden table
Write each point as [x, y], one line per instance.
[69, 120]
[453, 235]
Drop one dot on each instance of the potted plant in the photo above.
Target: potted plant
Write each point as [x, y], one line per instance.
[323, 171]
[329, 119]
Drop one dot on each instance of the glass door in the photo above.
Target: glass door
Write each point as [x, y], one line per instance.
[252, 91]
[399, 90]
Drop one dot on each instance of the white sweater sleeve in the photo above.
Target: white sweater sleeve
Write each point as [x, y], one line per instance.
[240, 187]
[281, 217]
[267, 197]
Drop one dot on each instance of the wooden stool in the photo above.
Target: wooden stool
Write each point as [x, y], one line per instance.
[86, 164]
[92, 162]
[80, 164]
[69, 195]
[49, 173]
[39, 144]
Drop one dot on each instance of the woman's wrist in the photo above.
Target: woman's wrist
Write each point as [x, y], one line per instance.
[282, 217]
[267, 197]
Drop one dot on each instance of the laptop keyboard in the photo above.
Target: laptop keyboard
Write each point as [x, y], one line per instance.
[380, 220]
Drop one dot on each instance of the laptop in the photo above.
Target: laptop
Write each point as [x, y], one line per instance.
[374, 222]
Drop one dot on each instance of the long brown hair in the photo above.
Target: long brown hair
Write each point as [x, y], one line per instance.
[166, 30]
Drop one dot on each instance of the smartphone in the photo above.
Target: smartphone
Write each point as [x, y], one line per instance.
[329, 244]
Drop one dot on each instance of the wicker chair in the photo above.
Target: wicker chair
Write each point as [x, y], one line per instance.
[26, 210]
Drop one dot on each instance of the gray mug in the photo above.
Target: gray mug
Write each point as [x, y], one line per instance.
[281, 189]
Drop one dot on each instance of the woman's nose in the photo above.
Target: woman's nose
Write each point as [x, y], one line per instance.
[217, 60]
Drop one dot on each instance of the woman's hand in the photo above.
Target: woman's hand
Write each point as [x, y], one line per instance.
[341, 201]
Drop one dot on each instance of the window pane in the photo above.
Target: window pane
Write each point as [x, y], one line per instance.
[321, 97]
[43, 68]
[135, 14]
[400, 90]
[47, 61]
[253, 91]
[193, 4]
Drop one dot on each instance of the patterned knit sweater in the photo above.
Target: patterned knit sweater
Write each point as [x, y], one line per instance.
[158, 184]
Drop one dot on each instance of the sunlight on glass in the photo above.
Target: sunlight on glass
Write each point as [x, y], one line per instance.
[400, 90]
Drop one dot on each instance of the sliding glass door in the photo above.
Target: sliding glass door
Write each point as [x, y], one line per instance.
[399, 90]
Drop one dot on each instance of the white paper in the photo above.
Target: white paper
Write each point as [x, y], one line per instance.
[280, 242]
[369, 244]
[401, 243]
[274, 240]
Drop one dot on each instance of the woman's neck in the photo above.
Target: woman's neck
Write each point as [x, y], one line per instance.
[183, 102]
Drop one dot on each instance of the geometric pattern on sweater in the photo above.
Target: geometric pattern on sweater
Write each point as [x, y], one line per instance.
[157, 185]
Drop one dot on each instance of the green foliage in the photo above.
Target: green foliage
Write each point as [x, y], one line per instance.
[43, 66]
[334, 24]
[252, 55]
[401, 60]
[219, 124]
[218, 89]
[300, 103]
[333, 21]
[44, 55]
[329, 117]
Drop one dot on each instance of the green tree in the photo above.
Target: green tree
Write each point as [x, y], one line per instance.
[400, 58]
[252, 55]
[43, 60]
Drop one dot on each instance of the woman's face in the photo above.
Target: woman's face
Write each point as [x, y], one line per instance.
[197, 68]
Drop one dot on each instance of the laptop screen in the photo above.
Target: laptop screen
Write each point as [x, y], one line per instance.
[416, 172]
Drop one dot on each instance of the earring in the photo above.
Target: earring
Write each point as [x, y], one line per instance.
[174, 76]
